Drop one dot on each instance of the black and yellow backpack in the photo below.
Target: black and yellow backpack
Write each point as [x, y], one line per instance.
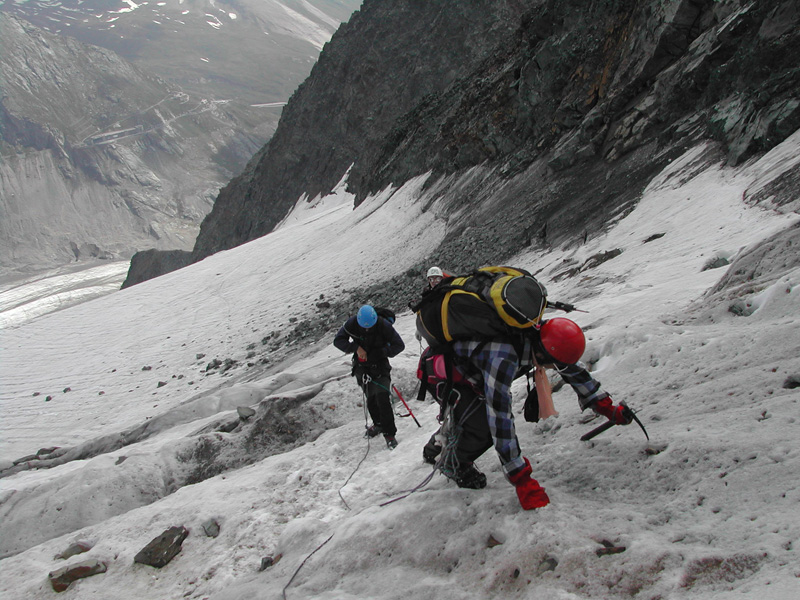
[488, 303]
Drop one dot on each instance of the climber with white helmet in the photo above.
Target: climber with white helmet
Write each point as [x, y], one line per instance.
[434, 276]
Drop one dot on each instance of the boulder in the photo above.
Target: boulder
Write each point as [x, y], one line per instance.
[162, 549]
[62, 578]
[78, 547]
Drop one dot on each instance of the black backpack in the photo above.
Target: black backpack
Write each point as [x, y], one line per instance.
[488, 303]
[386, 313]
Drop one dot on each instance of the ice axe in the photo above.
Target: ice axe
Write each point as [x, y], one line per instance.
[564, 306]
[627, 412]
[408, 408]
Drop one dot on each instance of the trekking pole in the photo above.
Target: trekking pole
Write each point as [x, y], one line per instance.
[408, 408]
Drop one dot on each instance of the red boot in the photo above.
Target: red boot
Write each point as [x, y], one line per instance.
[531, 495]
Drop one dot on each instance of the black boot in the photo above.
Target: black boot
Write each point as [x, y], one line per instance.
[430, 452]
[468, 476]
[372, 431]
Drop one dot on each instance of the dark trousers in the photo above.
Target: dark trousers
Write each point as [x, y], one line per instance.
[379, 404]
[470, 417]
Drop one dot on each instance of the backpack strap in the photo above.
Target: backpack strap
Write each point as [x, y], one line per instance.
[447, 392]
[424, 371]
[446, 388]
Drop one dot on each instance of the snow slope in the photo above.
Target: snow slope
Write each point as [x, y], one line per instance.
[707, 509]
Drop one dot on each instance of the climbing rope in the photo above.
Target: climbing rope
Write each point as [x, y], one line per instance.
[365, 379]
[302, 564]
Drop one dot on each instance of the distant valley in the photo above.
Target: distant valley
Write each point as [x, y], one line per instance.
[251, 50]
[121, 121]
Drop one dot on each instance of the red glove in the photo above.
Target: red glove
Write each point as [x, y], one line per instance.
[616, 414]
[531, 495]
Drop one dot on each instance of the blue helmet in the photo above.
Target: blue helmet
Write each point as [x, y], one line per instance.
[367, 317]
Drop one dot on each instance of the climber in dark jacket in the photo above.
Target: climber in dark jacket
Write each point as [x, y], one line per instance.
[373, 341]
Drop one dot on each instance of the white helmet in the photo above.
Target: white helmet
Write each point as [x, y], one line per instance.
[435, 272]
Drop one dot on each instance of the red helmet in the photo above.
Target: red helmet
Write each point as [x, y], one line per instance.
[563, 340]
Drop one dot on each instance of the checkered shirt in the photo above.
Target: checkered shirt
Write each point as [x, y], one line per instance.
[499, 364]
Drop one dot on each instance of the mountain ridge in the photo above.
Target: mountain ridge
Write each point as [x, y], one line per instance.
[200, 44]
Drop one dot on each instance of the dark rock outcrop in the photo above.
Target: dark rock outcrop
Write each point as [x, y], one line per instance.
[591, 84]
[376, 68]
[151, 263]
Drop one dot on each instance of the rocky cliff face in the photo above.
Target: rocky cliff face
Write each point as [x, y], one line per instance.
[99, 158]
[601, 80]
[568, 108]
[376, 68]
[588, 101]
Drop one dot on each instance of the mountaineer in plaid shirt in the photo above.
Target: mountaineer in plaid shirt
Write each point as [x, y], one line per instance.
[492, 366]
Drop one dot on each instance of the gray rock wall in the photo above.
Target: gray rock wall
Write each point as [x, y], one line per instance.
[152, 263]
[377, 67]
